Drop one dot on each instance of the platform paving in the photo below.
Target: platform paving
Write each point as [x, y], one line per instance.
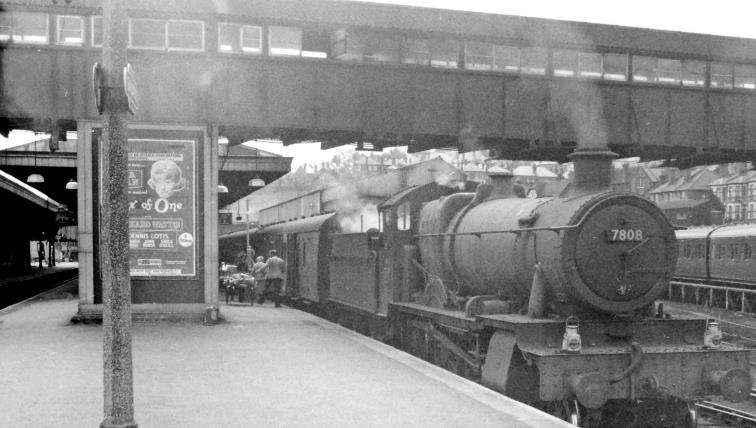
[261, 367]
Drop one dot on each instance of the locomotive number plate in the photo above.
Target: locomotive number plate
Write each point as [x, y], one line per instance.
[624, 235]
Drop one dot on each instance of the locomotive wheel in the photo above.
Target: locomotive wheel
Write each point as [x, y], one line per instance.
[567, 410]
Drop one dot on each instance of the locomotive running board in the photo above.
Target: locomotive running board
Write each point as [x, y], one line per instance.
[442, 316]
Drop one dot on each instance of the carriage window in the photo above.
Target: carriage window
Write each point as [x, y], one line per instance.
[686, 251]
[693, 73]
[565, 63]
[96, 31]
[444, 53]
[720, 251]
[251, 39]
[534, 60]
[478, 56]
[304, 252]
[404, 220]
[70, 30]
[615, 67]
[589, 64]
[506, 58]
[745, 76]
[734, 251]
[644, 68]
[24, 27]
[721, 75]
[747, 251]
[285, 40]
[146, 33]
[699, 251]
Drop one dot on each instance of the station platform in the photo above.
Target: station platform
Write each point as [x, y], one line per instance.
[14, 288]
[261, 366]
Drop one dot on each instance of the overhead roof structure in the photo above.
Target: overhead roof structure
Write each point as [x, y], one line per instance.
[379, 75]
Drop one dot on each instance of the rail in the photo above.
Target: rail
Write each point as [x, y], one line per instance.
[728, 298]
[728, 411]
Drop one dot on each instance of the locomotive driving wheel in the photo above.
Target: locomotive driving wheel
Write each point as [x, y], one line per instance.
[567, 410]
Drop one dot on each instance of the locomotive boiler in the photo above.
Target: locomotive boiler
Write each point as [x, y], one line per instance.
[597, 251]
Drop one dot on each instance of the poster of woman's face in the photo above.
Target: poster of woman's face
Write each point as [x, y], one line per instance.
[165, 178]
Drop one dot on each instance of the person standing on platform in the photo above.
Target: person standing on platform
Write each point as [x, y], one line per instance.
[258, 272]
[40, 252]
[274, 277]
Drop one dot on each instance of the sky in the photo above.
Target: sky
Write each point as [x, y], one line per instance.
[722, 17]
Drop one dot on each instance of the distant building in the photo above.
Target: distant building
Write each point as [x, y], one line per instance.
[687, 200]
[737, 194]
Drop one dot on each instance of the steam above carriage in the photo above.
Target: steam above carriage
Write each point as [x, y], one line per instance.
[549, 300]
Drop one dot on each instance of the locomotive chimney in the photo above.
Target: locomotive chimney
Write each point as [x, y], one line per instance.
[593, 170]
[501, 181]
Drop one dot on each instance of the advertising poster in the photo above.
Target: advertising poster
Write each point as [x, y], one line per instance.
[162, 217]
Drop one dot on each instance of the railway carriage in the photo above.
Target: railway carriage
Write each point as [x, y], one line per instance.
[723, 254]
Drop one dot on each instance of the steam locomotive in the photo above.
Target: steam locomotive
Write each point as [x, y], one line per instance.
[549, 301]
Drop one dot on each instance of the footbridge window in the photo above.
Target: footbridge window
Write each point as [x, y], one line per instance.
[172, 35]
[721, 75]
[693, 73]
[534, 60]
[565, 63]
[285, 41]
[745, 76]
[24, 27]
[239, 38]
[590, 65]
[70, 30]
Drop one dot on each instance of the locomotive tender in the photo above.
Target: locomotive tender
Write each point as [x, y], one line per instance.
[549, 301]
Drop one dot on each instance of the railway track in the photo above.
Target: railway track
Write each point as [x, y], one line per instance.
[727, 413]
[18, 293]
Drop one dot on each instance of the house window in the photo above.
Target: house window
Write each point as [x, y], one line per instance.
[565, 63]
[615, 67]
[70, 30]
[24, 27]
[96, 31]
[147, 33]
[479, 56]
[752, 210]
[589, 64]
[693, 73]
[285, 41]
